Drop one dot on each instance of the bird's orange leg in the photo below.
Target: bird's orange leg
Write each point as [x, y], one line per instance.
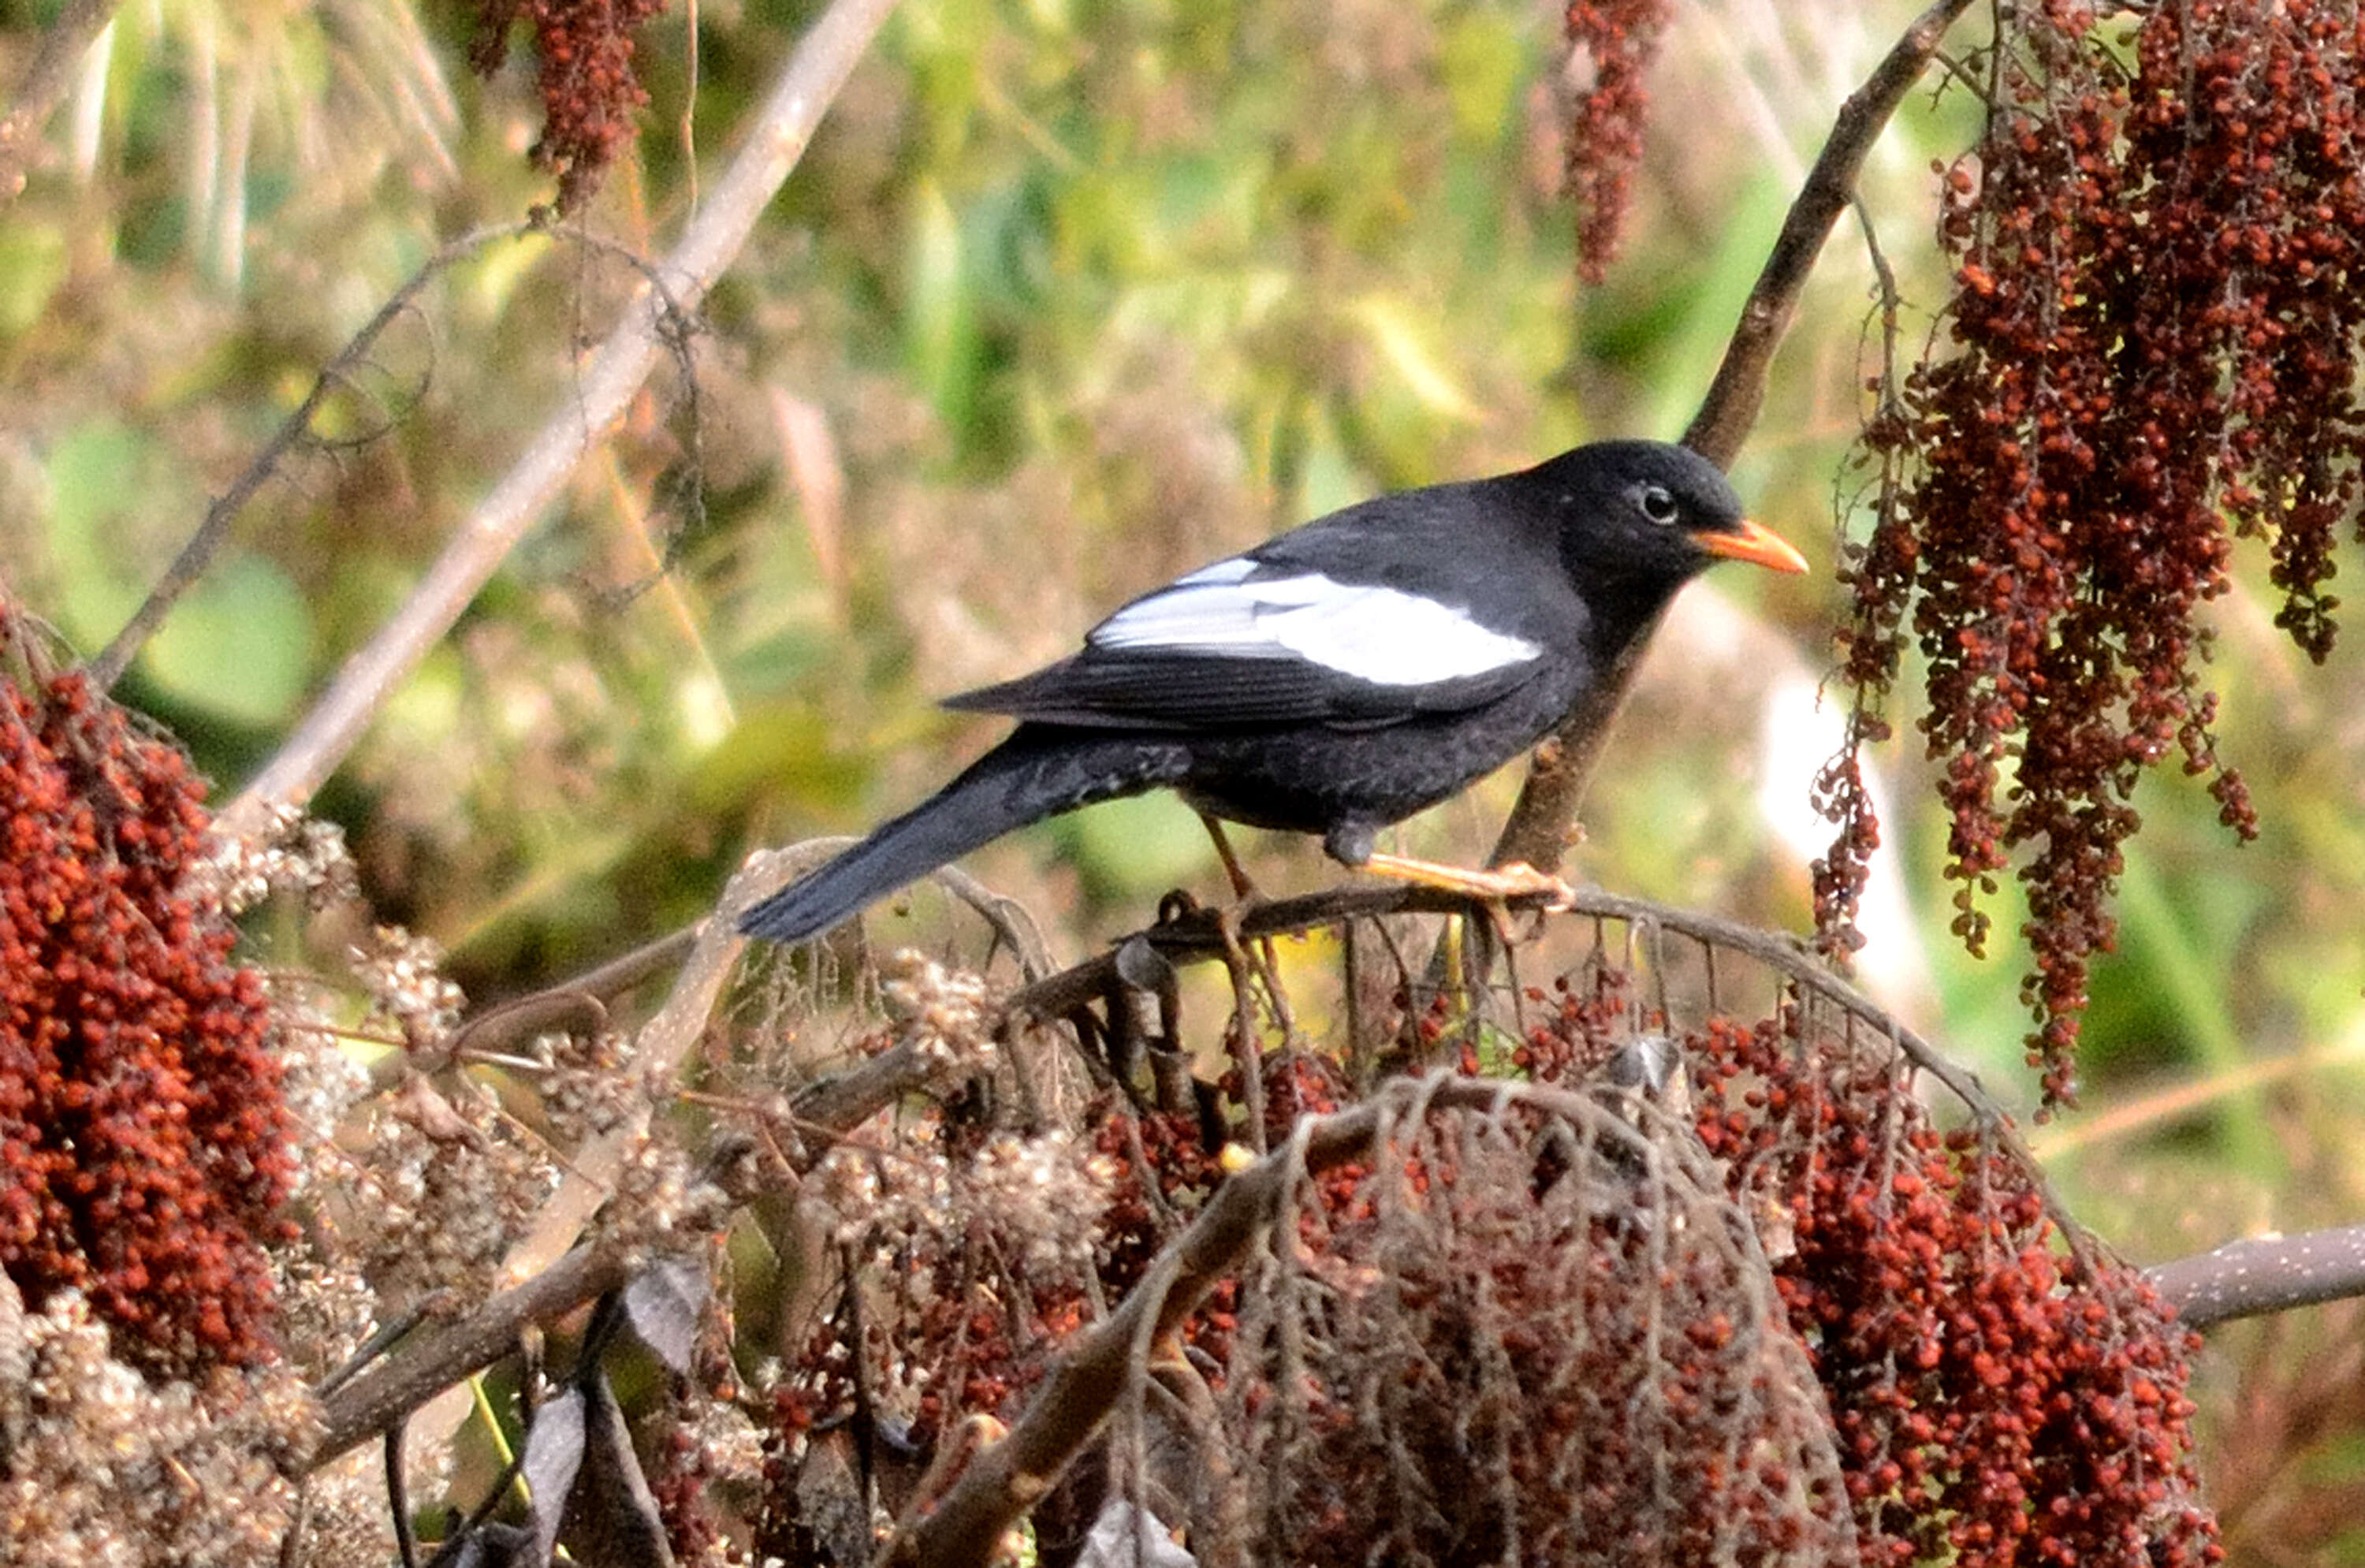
[1242, 888]
[1248, 897]
[1518, 880]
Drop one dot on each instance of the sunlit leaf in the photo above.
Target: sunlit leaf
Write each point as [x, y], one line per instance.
[239, 645]
[1410, 348]
[1486, 56]
[32, 264]
[1143, 846]
[104, 478]
[940, 341]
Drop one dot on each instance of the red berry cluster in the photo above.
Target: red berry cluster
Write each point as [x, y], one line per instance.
[681, 1483]
[1174, 1158]
[1551, 1349]
[144, 1147]
[1620, 38]
[1584, 1029]
[589, 88]
[781, 1529]
[2155, 335]
[1995, 1402]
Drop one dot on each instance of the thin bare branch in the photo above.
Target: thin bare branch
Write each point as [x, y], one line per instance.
[818, 68]
[1739, 389]
[1198, 936]
[198, 553]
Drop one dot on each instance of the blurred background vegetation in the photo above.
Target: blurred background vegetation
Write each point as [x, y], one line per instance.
[1069, 296]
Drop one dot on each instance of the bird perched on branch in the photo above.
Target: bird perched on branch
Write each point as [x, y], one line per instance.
[1338, 678]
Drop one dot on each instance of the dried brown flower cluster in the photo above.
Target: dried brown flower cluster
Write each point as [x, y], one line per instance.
[2158, 246]
[1480, 1355]
[590, 87]
[101, 1467]
[1617, 39]
[967, 1255]
[143, 1139]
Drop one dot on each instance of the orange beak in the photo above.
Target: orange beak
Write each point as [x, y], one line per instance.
[1755, 543]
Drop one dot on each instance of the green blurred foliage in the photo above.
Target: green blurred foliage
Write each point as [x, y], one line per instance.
[1068, 296]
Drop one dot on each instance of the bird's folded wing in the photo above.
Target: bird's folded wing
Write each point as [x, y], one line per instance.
[1245, 644]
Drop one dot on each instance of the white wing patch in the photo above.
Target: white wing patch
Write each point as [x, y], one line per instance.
[1378, 635]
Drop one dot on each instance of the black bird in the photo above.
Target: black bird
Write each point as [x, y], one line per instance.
[1338, 678]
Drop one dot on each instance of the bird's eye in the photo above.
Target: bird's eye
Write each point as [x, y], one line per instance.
[1658, 504]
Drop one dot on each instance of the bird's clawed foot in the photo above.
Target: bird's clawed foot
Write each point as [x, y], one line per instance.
[1497, 884]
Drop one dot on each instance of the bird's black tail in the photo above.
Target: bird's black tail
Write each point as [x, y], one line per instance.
[1038, 772]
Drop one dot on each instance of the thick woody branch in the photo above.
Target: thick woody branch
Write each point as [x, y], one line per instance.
[2268, 1274]
[373, 1402]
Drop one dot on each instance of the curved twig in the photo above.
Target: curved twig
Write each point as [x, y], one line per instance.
[505, 1025]
[1198, 937]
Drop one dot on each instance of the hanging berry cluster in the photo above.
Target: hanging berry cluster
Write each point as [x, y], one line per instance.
[1617, 39]
[2159, 248]
[144, 1141]
[590, 87]
[1994, 1401]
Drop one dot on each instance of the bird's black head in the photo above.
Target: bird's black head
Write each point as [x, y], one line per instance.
[1641, 517]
